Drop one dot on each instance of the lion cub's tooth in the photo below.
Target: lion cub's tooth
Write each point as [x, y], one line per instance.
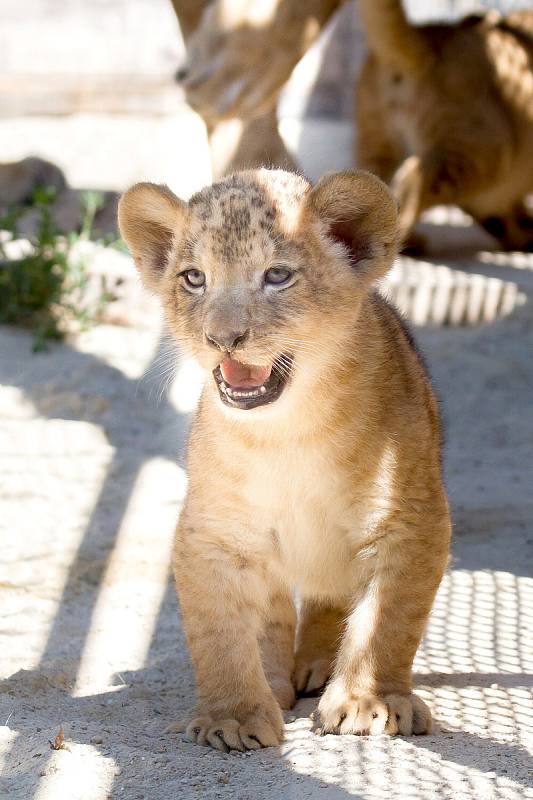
[262, 389]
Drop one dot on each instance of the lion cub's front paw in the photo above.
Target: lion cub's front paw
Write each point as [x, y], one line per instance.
[340, 711]
[262, 727]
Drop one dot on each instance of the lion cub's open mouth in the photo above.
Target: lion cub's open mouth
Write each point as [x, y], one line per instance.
[248, 386]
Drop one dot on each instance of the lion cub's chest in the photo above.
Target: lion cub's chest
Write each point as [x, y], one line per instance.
[299, 501]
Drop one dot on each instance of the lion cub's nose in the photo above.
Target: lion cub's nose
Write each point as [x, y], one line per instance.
[226, 340]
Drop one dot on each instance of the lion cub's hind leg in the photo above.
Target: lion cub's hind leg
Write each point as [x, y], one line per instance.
[277, 646]
[319, 635]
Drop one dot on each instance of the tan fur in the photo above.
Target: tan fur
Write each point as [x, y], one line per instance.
[335, 488]
[445, 113]
[189, 14]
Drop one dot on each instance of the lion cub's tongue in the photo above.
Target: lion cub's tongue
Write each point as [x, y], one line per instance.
[243, 376]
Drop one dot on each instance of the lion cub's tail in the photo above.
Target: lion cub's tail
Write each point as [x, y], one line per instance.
[391, 37]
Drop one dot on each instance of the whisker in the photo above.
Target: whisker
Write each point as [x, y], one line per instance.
[312, 349]
[161, 371]
[284, 365]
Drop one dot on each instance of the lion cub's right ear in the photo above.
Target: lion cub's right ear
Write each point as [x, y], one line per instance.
[151, 218]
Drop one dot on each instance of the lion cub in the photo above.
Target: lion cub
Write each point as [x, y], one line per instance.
[314, 458]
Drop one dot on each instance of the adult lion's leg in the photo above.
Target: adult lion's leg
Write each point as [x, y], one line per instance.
[239, 144]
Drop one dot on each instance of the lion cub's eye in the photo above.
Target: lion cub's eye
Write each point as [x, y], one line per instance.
[193, 279]
[278, 276]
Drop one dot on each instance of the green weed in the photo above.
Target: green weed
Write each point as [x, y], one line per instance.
[42, 287]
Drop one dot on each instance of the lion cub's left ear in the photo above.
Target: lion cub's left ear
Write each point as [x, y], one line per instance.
[151, 218]
[360, 212]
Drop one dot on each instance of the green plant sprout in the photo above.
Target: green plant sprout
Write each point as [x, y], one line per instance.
[43, 289]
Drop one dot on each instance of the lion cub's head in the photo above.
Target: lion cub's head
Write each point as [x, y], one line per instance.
[261, 275]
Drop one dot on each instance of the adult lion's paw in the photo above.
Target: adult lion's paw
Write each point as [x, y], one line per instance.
[261, 728]
[340, 711]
